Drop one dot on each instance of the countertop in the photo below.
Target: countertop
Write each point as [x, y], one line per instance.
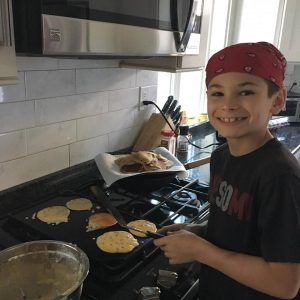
[204, 136]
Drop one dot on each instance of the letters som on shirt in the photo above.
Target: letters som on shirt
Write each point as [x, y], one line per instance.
[230, 200]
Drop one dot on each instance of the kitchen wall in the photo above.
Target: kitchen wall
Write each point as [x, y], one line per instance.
[65, 111]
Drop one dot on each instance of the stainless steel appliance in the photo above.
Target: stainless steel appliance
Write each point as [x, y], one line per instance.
[112, 276]
[8, 69]
[107, 28]
[292, 109]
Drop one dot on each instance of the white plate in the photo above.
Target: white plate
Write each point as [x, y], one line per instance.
[110, 171]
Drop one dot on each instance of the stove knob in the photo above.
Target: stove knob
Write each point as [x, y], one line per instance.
[149, 293]
[166, 279]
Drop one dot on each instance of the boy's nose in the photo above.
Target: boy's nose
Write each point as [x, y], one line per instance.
[229, 103]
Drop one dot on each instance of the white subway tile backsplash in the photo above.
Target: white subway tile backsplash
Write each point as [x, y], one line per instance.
[88, 149]
[146, 78]
[87, 63]
[104, 123]
[10, 93]
[25, 63]
[66, 111]
[16, 115]
[96, 80]
[50, 136]
[70, 107]
[124, 98]
[122, 139]
[33, 166]
[12, 145]
[53, 83]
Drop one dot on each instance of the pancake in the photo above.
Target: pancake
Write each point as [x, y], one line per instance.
[142, 161]
[117, 242]
[79, 204]
[54, 214]
[143, 225]
[100, 220]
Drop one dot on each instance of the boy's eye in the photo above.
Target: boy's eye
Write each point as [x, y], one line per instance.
[216, 94]
[246, 93]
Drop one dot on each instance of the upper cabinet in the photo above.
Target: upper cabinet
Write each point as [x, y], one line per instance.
[8, 69]
[289, 41]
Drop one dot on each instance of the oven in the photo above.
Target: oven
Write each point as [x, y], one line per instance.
[140, 274]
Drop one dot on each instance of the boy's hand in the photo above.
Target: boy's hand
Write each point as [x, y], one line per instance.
[181, 246]
[198, 229]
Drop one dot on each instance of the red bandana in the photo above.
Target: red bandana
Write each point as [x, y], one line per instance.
[260, 59]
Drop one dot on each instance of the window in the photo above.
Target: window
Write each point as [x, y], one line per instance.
[233, 21]
[254, 20]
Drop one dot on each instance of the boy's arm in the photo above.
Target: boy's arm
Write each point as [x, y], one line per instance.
[280, 280]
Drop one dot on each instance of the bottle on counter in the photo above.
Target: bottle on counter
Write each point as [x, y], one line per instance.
[168, 140]
[183, 139]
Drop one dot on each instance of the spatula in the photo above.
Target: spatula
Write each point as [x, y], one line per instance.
[103, 199]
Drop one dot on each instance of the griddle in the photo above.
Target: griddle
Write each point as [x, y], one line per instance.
[105, 266]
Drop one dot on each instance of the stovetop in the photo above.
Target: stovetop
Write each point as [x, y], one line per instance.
[110, 274]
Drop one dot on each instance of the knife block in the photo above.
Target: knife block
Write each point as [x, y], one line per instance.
[149, 137]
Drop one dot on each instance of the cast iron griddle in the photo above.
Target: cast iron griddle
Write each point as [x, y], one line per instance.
[107, 265]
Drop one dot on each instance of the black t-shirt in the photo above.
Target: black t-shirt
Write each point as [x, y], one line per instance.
[255, 210]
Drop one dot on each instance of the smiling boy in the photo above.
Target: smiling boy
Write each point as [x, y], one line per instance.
[250, 248]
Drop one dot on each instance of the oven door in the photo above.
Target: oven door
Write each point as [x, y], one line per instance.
[115, 27]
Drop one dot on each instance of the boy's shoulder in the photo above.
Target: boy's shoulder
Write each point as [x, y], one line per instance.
[271, 156]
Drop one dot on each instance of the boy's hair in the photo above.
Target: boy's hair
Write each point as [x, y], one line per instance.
[272, 88]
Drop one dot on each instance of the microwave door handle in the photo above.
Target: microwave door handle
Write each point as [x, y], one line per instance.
[189, 26]
[5, 15]
[174, 22]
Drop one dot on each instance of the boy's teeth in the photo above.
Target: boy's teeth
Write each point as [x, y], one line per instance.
[230, 120]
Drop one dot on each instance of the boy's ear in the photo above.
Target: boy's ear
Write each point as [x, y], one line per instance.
[279, 101]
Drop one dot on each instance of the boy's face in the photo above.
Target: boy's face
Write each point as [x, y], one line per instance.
[239, 107]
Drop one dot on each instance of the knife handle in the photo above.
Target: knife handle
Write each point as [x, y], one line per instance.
[176, 113]
[167, 104]
[172, 107]
[176, 120]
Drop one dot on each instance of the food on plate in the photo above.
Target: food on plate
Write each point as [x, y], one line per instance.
[143, 225]
[100, 220]
[117, 242]
[53, 214]
[79, 204]
[142, 161]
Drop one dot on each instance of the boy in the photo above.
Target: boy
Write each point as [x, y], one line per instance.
[250, 248]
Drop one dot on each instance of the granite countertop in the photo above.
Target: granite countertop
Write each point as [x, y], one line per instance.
[204, 135]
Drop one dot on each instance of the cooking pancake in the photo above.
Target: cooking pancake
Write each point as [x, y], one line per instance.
[79, 204]
[117, 242]
[100, 220]
[53, 214]
[143, 225]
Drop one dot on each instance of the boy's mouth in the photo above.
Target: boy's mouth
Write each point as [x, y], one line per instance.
[231, 119]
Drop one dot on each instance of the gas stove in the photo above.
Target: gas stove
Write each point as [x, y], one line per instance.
[142, 273]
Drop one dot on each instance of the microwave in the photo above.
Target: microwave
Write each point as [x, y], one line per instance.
[107, 28]
[291, 110]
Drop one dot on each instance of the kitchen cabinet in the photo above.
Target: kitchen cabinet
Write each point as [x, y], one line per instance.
[180, 63]
[289, 42]
[8, 69]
